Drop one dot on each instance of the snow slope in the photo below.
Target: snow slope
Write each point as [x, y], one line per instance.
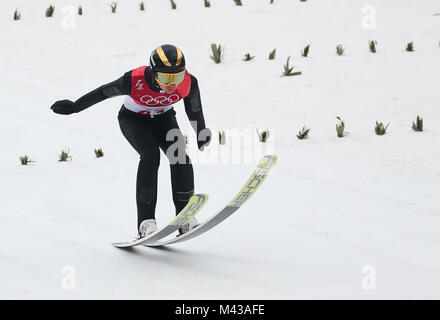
[331, 207]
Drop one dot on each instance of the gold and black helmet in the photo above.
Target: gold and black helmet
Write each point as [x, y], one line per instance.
[167, 59]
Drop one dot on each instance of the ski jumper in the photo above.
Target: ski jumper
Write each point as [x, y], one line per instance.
[145, 119]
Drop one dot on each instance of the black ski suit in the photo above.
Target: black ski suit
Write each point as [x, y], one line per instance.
[148, 134]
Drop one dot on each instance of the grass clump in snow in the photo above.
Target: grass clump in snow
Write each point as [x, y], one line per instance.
[207, 4]
[114, 6]
[221, 137]
[303, 133]
[380, 129]
[372, 44]
[80, 11]
[50, 11]
[248, 57]
[263, 136]
[288, 71]
[142, 6]
[271, 1]
[64, 156]
[272, 54]
[340, 127]
[418, 125]
[173, 5]
[217, 53]
[410, 46]
[340, 50]
[99, 153]
[17, 15]
[238, 2]
[305, 51]
[24, 160]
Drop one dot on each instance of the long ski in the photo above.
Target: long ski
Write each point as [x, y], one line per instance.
[258, 176]
[195, 204]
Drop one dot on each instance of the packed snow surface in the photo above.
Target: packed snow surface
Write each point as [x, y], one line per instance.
[356, 217]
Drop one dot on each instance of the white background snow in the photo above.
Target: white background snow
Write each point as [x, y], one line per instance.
[332, 209]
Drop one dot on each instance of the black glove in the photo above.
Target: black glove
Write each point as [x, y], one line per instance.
[63, 107]
[204, 138]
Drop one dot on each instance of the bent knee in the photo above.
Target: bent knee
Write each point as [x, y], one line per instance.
[149, 159]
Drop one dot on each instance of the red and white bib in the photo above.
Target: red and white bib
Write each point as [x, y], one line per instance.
[143, 100]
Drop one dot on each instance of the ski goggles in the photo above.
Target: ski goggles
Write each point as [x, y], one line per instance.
[167, 79]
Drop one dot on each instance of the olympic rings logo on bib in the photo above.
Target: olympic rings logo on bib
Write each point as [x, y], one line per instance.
[160, 100]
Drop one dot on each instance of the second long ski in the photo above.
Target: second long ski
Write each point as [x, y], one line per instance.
[255, 181]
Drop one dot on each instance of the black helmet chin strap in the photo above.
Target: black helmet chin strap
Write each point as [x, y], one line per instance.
[153, 78]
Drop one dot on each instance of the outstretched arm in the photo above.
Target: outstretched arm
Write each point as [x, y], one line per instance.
[121, 86]
[193, 109]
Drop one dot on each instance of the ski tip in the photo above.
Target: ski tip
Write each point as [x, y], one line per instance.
[199, 197]
[273, 156]
[204, 195]
[269, 160]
